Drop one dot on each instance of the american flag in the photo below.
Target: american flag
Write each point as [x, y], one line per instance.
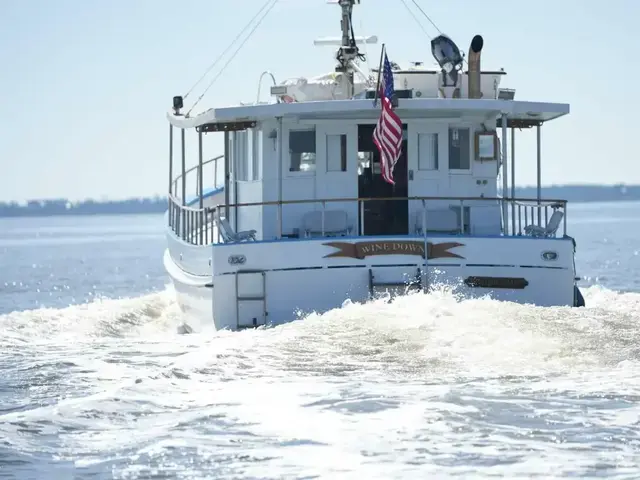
[388, 132]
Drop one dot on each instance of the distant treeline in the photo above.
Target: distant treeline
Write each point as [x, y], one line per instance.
[42, 208]
[45, 208]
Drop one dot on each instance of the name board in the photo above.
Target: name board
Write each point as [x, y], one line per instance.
[360, 250]
[515, 283]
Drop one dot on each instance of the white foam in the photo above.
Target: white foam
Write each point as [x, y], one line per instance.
[426, 383]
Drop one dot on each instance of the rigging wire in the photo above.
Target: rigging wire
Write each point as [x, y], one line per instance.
[228, 48]
[415, 3]
[255, 27]
[427, 16]
[413, 15]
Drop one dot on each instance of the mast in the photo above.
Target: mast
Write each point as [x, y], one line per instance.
[348, 51]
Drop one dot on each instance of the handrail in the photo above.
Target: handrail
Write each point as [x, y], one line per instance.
[266, 72]
[195, 225]
[177, 179]
[548, 202]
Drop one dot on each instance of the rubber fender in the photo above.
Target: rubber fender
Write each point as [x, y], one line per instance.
[578, 299]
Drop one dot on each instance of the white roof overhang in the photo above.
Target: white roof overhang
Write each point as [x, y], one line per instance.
[520, 114]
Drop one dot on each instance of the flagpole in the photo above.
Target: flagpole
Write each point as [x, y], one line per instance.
[375, 98]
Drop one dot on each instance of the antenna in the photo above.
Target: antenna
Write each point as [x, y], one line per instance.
[348, 51]
[370, 40]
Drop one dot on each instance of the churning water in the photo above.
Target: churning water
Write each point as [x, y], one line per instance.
[428, 386]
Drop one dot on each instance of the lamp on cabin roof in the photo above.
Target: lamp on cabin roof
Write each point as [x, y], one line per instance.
[506, 94]
[448, 56]
[178, 103]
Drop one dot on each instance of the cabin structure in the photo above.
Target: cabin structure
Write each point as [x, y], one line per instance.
[294, 160]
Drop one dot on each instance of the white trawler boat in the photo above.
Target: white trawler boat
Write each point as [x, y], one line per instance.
[299, 214]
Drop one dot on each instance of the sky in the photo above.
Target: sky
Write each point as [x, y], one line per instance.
[86, 83]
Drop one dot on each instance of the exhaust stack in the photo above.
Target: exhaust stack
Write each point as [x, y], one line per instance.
[474, 67]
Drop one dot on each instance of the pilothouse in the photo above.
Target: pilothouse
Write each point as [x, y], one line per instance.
[352, 184]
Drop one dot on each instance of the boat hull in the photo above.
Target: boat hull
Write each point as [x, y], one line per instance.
[273, 282]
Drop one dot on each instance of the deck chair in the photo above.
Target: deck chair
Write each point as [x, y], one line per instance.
[229, 236]
[336, 223]
[548, 231]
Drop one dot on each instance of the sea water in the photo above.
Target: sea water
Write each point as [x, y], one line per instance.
[97, 382]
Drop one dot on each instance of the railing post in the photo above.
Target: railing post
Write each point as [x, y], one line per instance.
[461, 217]
[361, 208]
[505, 178]
[175, 218]
[184, 167]
[200, 177]
[200, 186]
[513, 180]
[519, 219]
[279, 170]
[564, 220]
[425, 286]
[217, 220]
[227, 174]
[202, 225]
[324, 206]
[184, 179]
[539, 171]
[170, 158]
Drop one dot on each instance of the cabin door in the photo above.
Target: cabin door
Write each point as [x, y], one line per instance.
[428, 175]
[336, 172]
[390, 214]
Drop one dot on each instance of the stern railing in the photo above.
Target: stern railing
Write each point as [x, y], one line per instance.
[192, 184]
[197, 226]
[192, 225]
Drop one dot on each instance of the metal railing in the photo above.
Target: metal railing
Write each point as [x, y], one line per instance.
[196, 225]
[192, 180]
[193, 225]
[530, 212]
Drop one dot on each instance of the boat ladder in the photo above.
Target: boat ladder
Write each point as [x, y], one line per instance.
[375, 287]
[251, 298]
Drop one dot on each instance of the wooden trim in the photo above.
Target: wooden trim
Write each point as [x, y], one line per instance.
[520, 123]
[226, 126]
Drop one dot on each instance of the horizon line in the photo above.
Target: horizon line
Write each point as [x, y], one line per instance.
[158, 196]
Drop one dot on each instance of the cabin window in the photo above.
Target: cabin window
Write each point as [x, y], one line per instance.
[428, 151]
[241, 154]
[364, 161]
[459, 149]
[231, 153]
[302, 150]
[336, 153]
[257, 150]
[250, 153]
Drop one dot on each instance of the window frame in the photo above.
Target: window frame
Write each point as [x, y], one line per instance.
[287, 158]
[471, 131]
